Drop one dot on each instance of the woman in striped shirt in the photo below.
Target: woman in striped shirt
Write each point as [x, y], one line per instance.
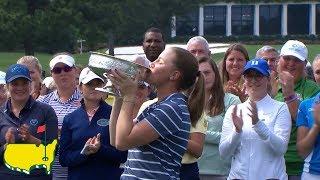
[159, 138]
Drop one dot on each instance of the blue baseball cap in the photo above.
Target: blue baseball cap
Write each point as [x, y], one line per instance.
[17, 71]
[260, 65]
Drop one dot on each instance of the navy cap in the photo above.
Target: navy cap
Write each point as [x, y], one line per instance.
[17, 71]
[259, 65]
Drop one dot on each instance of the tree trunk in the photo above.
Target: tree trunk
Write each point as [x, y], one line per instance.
[111, 43]
[28, 45]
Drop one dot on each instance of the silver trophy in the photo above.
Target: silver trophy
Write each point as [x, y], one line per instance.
[99, 63]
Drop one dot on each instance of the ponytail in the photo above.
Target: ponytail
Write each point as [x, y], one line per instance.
[196, 100]
[191, 82]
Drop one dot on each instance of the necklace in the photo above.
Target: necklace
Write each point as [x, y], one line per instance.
[92, 112]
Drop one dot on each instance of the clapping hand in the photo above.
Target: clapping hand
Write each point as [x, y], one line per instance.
[9, 137]
[24, 134]
[274, 83]
[92, 145]
[237, 120]
[253, 112]
[233, 88]
[287, 83]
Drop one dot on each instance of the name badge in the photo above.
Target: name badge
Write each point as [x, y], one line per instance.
[103, 122]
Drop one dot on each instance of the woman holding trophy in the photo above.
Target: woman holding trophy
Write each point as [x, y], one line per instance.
[159, 138]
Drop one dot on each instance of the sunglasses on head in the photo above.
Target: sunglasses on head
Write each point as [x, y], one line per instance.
[142, 85]
[58, 70]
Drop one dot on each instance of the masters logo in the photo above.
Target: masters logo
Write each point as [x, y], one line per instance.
[26, 157]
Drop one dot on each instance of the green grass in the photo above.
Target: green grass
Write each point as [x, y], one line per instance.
[8, 58]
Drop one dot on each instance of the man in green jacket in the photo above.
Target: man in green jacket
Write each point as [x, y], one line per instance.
[294, 87]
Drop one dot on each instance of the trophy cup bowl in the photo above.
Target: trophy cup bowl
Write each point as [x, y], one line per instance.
[99, 63]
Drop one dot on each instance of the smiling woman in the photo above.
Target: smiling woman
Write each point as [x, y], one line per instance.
[253, 134]
[233, 64]
[25, 120]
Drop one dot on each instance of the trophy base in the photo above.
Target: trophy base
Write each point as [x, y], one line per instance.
[110, 90]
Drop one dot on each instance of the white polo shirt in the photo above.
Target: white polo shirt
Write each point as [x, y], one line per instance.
[258, 151]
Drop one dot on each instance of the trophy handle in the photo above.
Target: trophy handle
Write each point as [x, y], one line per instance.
[105, 75]
[109, 88]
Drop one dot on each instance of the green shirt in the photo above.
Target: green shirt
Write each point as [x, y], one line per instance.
[305, 89]
[210, 163]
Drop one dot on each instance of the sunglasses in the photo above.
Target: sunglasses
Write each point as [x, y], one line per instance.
[251, 76]
[58, 70]
[142, 85]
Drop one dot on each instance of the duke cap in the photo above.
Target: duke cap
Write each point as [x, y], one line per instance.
[260, 65]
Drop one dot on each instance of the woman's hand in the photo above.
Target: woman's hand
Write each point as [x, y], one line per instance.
[253, 112]
[237, 120]
[92, 145]
[125, 84]
[233, 88]
[10, 139]
[24, 134]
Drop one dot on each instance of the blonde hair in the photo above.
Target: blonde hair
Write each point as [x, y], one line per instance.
[30, 60]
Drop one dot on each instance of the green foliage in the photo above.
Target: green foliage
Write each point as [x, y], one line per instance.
[250, 1]
[55, 25]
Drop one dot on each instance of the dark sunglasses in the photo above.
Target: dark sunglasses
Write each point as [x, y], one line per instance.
[58, 70]
[142, 85]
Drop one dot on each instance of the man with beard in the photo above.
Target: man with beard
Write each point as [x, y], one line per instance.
[153, 43]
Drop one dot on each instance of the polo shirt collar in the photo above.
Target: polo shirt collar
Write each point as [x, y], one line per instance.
[28, 105]
[76, 95]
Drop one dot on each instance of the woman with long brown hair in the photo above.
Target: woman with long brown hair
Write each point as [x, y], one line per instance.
[211, 165]
[233, 64]
[160, 136]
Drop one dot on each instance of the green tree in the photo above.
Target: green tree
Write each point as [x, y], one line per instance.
[18, 19]
[55, 25]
